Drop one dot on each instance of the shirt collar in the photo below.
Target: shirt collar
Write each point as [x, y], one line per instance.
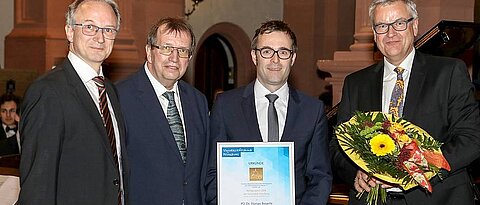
[406, 64]
[83, 70]
[260, 91]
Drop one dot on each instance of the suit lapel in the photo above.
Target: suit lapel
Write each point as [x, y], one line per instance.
[375, 90]
[292, 113]
[146, 94]
[188, 106]
[250, 113]
[415, 85]
[86, 100]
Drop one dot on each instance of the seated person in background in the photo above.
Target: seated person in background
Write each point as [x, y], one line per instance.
[9, 135]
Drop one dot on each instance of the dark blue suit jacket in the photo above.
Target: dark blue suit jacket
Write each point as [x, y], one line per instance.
[158, 174]
[234, 118]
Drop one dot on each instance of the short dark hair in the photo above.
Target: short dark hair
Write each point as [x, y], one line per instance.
[275, 25]
[176, 25]
[9, 97]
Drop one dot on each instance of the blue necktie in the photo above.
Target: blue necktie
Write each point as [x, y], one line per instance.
[175, 122]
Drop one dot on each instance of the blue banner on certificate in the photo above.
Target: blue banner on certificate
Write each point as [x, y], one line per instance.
[255, 173]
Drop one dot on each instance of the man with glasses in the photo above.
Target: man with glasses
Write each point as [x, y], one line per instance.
[72, 129]
[166, 120]
[432, 92]
[242, 114]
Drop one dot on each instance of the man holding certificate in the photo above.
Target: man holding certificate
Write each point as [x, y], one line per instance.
[271, 110]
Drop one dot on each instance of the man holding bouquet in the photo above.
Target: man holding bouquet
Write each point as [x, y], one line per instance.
[435, 93]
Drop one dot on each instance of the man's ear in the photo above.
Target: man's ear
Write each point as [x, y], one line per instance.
[254, 57]
[69, 33]
[415, 27]
[148, 50]
[293, 59]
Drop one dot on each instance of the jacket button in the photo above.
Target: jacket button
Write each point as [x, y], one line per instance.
[185, 183]
[116, 182]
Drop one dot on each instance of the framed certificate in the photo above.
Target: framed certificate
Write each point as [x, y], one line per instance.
[255, 173]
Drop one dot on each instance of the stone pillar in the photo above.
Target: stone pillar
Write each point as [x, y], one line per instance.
[359, 56]
[38, 42]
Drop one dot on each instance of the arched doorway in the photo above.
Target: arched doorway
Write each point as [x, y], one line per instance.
[215, 67]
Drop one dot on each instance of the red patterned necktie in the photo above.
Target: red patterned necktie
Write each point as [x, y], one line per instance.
[396, 101]
[107, 122]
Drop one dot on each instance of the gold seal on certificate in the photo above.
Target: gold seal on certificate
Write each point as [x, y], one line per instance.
[256, 174]
[251, 173]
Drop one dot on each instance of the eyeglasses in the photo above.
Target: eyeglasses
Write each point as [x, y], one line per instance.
[268, 53]
[91, 30]
[167, 50]
[398, 25]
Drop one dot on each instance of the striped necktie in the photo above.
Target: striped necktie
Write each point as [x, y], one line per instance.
[175, 122]
[107, 122]
[396, 101]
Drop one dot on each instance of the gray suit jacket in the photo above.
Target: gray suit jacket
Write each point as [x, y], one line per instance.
[66, 156]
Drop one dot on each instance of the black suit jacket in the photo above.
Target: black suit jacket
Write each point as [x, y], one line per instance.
[440, 100]
[158, 174]
[234, 118]
[66, 156]
[9, 145]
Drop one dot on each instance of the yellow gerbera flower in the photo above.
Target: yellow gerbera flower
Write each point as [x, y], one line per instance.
[382, 145]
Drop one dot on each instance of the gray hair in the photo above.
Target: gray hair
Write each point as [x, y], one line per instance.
[72, 8]
[176, 25]
[411, 6]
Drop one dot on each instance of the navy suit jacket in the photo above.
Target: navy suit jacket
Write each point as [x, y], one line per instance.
[158, 174]
[66, 155]
[440, 100]
[234, 118]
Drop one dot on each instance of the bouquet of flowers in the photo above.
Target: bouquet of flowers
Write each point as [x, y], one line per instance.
[391, 149]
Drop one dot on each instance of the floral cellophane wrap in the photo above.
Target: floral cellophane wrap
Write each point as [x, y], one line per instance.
[426, 162]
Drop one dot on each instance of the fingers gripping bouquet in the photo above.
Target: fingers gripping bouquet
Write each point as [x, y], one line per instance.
[391, 149]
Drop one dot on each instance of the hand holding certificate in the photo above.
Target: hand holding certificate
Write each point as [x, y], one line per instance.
[255, 173]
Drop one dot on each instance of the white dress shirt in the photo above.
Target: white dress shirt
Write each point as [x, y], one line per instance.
[390, 77]
[159, 90]
[86, 74]
[261, 106]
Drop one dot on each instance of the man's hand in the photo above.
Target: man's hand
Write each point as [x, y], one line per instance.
[364, 183]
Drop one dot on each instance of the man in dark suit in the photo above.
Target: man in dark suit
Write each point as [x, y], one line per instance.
[166, 120]
[72, 131]
[241, 115]
[438, 97]
[9, 118]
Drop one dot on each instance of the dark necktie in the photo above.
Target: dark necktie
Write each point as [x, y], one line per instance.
[107, 122]
[175, 122]
[396, 101]
[272, 118]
